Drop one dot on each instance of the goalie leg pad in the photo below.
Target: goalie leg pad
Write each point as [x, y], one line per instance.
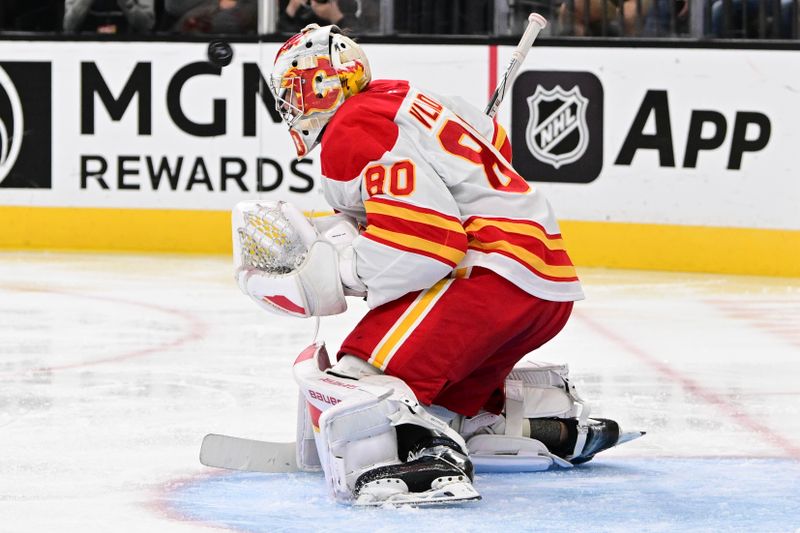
[533, 390]
[358, 424]
[542, 406]
[364, 457]
[505, 443]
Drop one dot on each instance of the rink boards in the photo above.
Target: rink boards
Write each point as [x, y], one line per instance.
[659, 158]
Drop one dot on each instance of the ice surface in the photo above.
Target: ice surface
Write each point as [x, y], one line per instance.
[113, 367]
[610, 495]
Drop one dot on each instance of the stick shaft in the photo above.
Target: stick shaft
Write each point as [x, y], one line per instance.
[536, 23]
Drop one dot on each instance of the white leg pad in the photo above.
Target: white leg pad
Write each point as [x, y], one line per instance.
[306, 454]
[501, 453]
[503, 443]
[357, 419]
[354, 436]
[541, 390]
[359, 433]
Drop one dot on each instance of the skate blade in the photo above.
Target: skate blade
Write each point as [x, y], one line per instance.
[628, 436]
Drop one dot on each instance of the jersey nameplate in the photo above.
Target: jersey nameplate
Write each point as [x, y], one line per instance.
[426, 110]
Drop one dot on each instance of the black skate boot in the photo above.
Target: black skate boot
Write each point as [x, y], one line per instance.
[437, 472]
[561, 436]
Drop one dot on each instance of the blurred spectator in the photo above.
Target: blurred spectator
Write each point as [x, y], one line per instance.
[667, 18]
[297, 14]
[31, 15]
[168, 12]
[178, 8]
[454, 17]
[109, 16]
[294, 15]
[637, 18]
[572, 17]
[216, 16]
[741, 19]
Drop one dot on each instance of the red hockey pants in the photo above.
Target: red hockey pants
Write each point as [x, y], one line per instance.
[455, 343]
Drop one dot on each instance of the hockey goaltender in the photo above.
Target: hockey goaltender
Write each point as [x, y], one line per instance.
[464, 270]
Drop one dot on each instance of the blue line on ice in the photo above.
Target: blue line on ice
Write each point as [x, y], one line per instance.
[606, 495]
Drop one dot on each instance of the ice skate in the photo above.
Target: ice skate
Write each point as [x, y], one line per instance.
[578, 444]
[436, 473]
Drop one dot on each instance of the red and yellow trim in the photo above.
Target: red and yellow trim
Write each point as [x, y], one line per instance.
[525, 242]
[501, 142]
[314, 413]
[406, 324]
[415, 229]
[517, 227]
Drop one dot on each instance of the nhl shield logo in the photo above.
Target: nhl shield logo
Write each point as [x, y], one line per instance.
[557, 133]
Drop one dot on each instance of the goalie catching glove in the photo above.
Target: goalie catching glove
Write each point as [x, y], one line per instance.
[293, 266]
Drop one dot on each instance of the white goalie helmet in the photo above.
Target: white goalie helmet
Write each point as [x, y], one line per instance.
[315, 71]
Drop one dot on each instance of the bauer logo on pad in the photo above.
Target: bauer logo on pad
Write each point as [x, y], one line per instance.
[25, 125]
[557, 126]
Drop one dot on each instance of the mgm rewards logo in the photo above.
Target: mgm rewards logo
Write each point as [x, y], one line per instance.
[560, 117]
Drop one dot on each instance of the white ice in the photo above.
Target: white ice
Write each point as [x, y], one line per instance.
[113, 367]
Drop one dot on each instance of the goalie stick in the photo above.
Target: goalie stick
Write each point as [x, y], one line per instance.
[235, 453]
[536, 23]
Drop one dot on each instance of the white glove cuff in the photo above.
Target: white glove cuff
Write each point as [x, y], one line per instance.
[353, 286]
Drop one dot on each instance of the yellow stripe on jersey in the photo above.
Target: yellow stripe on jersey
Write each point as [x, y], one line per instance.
[381, 208]
[501, 137]
[531, 259]
[384, 351]
[462, 273]
[519, 228]
[453, 255]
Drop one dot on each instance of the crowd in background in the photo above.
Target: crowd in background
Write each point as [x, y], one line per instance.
[643, 18]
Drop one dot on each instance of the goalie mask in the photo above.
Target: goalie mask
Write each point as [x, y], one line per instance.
[315, 71]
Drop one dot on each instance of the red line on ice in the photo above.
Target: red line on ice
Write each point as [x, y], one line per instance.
[196, 331]
[695, 388]
[162, 502]
[778, 318]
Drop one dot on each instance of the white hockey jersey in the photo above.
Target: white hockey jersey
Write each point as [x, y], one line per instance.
[429, 180]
